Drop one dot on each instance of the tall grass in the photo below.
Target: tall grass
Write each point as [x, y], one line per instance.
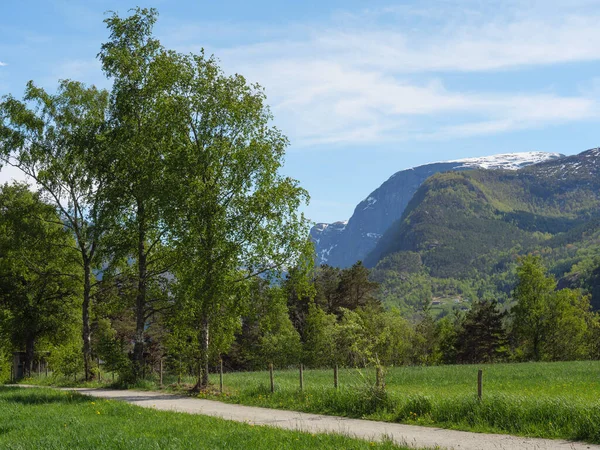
[552, 400]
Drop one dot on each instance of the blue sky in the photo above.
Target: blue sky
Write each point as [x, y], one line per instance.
[362, 89]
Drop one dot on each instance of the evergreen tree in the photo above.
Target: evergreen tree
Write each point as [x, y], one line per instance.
[483, 336]
[355, 290]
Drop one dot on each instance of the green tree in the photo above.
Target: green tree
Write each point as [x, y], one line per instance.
[239, 215]
[354, 345]
[543, 316]
[143, 76]
[482, 337]
[568, 315]
[532, 294]
[56, 140]
[267, 334]
[320, 347]
[355, 290]
[300, 292]
[326, 282]
[447, 330]
[424, 342]
[38, 270]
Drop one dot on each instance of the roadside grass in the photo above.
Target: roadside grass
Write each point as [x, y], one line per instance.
[44, 418]
[550, 400]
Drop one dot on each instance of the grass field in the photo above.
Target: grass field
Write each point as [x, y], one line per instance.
[47, 419]
[551, 400]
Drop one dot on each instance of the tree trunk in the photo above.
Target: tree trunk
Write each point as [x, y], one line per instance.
[205, 344]
[86, 331]
[203, 363]
[140, 301]
[29, 356]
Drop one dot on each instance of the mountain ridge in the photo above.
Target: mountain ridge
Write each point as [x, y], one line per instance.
[343, 243]
[461, 222]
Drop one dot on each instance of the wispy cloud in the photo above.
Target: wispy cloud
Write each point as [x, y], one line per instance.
[3, 64]
[88, 70]
[383, 75]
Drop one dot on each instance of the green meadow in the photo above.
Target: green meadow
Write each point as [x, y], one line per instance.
[47, 419]
[550, 400]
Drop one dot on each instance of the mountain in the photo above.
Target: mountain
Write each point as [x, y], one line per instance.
[341, 244]
[472, 225]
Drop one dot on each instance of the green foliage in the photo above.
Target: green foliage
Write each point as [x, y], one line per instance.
[66, 360]
[543, 316]
[425, 343]
[267, 334]
[38, 288]
[482, 335]
[319, 338]
[5, 364]
[111, 350]
[214, 158]
[57, 140]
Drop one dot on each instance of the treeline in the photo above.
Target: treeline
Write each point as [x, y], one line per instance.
[338, 319]
[316, 316]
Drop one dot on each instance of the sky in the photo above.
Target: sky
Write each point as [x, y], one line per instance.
[362, 89]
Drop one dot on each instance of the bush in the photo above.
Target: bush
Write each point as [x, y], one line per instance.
[66, 360]
[5, 363]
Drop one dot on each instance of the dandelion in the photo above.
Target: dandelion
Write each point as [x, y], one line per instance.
[97, 412]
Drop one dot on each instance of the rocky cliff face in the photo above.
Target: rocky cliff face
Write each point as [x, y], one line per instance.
[341, 244]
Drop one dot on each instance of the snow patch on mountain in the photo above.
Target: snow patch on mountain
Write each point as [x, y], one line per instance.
[506, 161]
[370, 202]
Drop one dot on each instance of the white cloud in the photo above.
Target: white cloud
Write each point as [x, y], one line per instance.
[366, 80]
[88, 70]
[3, 64]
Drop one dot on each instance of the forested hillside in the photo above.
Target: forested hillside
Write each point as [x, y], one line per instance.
[464, 231]
[341, 244]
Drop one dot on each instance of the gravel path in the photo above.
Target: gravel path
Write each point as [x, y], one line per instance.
[410, 435]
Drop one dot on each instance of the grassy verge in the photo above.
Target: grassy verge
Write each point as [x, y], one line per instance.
[550, 400]
[43, 418]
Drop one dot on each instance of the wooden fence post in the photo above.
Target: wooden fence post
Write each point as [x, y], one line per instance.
[479, 384]
[179, 373]
[271, 377]
[160, 368]
[335, 376]
[301, 377]
[221, 375]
